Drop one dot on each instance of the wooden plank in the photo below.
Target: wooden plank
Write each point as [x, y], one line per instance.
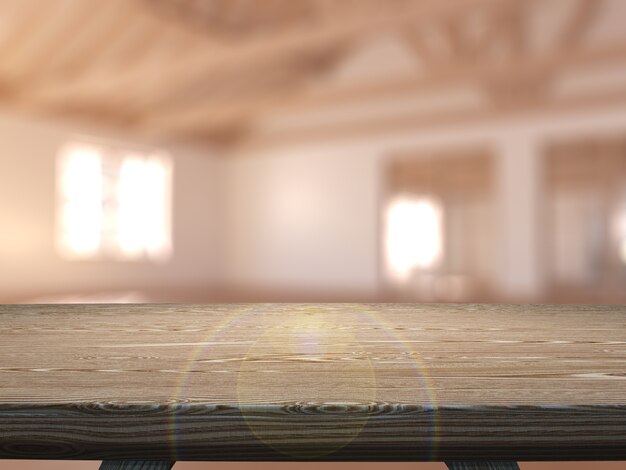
[477, 465]
[313, 382]
[136, 465]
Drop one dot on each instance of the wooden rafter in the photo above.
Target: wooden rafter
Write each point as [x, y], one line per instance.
[140, 65]
[219, 58]
[509, 85]
[579, 23]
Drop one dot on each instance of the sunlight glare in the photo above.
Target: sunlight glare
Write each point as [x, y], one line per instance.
[80, 181]
[414, 235]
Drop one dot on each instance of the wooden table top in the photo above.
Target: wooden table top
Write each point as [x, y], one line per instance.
[313, 381]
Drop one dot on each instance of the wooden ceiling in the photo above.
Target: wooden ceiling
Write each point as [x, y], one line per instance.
[213, 70]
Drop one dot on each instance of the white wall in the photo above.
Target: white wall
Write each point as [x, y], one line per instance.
[29, 264]
[306, 217]
[302, 221]
[299, 218]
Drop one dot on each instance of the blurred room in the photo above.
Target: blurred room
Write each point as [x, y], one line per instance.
[200, 151]
[314, 150]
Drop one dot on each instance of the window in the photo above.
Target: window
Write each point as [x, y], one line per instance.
[113, 204]
[413, 238]
[438, 226]
[585, 220]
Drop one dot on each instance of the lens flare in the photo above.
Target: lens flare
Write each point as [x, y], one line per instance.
[314, 363]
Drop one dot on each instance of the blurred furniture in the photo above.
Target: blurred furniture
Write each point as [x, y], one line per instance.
[477, 386]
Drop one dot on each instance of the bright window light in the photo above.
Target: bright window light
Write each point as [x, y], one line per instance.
[143, 207]
[414, 235]
[80, 188]
[113, 205]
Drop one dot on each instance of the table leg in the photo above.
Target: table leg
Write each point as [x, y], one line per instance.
[483, 465]
[136, 465]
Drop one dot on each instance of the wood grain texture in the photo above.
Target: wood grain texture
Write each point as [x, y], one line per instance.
[475, 465]
[313, 382]
[136, 465]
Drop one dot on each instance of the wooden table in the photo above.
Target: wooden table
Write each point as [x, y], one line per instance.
[477, 386]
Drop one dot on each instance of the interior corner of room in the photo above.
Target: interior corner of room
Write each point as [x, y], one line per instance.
[433, 151]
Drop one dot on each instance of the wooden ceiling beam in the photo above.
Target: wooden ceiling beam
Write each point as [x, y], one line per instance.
[90, 73]
[579, 23]
[13, 22]
[501, 25]
[63, 19]
[288, 76]
[299, 43]
[214, 60]
[205, 90]
[159, 77]
[403, 124]
[525, 80]
[90, 44]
